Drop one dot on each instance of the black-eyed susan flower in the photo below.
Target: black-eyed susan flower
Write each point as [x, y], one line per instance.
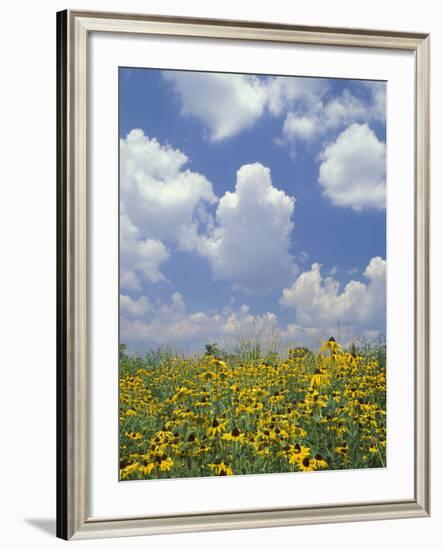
[221, 468]
[128, 470]
[319, 462]
[342, 450]
[183, 408]
[306, 465]
[318, 379]
[296, 453]
[163, 462]
[134, 435]
[217, 427]
[202, 449]
[147, 468]
[234, 435]
[331, 345]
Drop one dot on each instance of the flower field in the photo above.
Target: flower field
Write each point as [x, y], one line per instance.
[206, 415]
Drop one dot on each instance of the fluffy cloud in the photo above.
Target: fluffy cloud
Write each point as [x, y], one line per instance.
[302, 127]
[320, 305]
[226, 103]
[283, 92]
[164, 205]
[134, 307]
[336, 113]
[161, 200]
[250, 242]
[378, 92]
[347, 108]
[230, 103]
[139, 256]
[171, 324]
[353, 168]
[321, 309]
[297, 335]
[158, 193]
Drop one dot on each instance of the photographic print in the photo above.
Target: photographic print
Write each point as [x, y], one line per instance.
[252, 274]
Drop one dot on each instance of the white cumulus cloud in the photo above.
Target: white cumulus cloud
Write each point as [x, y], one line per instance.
[353, 169]
[134, 307]
[161, 200]
[320, 307]
[139, 256]
[230, 103]
[165, 206]
[320, 304]
[158, 193]
[249, 244]
[226, 103]
[337, 112]
[378, 91]
[171, 323]
[303, 127]
[283, 92]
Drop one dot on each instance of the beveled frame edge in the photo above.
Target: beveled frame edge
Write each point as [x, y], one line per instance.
[73, 521]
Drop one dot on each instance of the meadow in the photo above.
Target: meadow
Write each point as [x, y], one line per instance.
[218, 414]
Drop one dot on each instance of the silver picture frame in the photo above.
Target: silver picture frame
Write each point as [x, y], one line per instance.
[73, 518]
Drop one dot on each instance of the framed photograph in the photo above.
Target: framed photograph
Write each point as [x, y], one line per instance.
[242, 275]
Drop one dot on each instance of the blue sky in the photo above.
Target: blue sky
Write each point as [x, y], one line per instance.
[250, 205]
